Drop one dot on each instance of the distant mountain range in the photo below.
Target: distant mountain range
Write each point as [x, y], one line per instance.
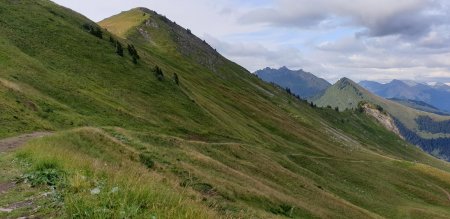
[301, 83]
[428, 130]
[419, 105]
[418, 111]
[437, 95]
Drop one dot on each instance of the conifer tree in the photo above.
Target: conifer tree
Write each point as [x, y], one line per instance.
[133, 53]
[176, 79]
[158, 73]
[112, 40]
[119, 49]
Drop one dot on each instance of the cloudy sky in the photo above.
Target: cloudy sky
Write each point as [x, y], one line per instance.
[360, 39]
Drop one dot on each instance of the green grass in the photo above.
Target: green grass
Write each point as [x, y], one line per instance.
[102, 179]
[222, 143]
[121, 23]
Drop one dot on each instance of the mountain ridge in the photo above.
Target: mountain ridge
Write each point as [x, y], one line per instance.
[301, 83]
[131, 141]
[432, 95]
[419, 105]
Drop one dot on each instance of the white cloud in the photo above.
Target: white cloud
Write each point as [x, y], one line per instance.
[200, 16]
[378, 17]
[256, 56]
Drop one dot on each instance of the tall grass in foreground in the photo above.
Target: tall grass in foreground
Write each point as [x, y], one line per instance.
[95, 177]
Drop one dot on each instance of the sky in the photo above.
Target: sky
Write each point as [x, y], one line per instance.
[376, 40]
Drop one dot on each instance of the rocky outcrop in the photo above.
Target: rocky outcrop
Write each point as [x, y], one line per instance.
[383, 118]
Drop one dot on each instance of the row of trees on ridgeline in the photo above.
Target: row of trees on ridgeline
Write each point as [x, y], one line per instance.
[132, 51]
[313, 105]
[94, 30]
[119, 49]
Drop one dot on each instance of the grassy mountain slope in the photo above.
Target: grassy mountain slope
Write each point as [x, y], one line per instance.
[222, 143]
[100, 88]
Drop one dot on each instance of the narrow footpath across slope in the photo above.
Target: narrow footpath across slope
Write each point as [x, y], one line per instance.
[9, 207]
[15, 142]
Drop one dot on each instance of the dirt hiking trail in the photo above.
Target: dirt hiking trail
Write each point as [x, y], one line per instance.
[15, 142]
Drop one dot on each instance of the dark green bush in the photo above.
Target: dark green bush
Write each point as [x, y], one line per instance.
[147, 160]
[176, 79]
[119, 48]
[158, 73]
[46, 173]
[283, 209]
[380, 108]
[94, 30]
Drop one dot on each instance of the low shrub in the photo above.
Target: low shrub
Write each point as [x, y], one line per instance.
[147, 160]
[45, 173]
